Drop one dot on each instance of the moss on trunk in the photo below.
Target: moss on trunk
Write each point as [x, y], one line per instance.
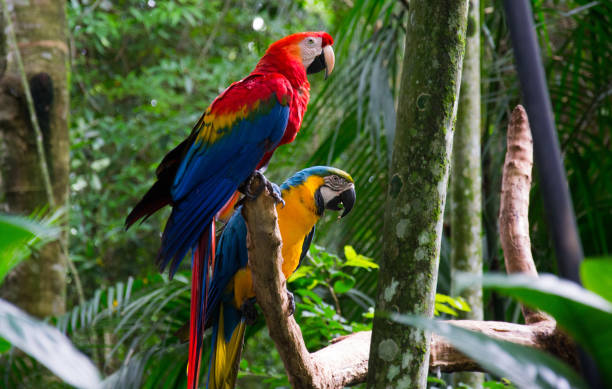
[466, 183]
[435, 42]
[38, 285]
[2, 49]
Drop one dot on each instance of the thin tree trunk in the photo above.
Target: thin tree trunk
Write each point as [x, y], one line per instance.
[2, 53]
[39, 284]
[466, 194]
[435, 42]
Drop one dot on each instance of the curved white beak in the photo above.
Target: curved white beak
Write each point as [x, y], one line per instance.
[330, 59]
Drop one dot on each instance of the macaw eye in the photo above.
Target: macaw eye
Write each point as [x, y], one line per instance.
[310, 41]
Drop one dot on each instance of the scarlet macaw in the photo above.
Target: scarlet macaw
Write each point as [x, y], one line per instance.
[236, 135]
[229, 305]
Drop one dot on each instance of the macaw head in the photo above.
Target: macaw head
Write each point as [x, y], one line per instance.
[313, 50]
[331, 188]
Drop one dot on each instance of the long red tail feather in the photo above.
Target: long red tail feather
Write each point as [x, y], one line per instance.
[192, 367]
[203, 262]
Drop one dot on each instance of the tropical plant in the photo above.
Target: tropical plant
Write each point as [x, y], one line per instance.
[46, 345]
[20, 236]
[142, 73]
[564, 301]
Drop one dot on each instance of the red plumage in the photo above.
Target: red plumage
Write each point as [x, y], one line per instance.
[282, 58]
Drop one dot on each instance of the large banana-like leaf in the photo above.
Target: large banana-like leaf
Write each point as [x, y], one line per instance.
[523, 366]
[48, 346]
[586, 316]
[596, 276]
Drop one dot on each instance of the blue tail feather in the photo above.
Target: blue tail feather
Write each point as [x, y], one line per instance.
[188, 221]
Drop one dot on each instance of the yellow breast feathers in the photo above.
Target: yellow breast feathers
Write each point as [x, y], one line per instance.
[296, 219]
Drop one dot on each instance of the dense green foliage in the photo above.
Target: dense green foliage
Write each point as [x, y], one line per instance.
[564, 301]
[18, 238]
[142, 72]
[142, 75]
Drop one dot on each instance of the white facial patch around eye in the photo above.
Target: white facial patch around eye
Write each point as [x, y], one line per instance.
[310, 47]
[328, 194]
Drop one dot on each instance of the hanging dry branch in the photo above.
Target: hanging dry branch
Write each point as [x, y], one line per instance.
[514, 203]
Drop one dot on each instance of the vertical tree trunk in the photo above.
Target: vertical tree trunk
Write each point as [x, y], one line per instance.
[435, 42]
[2, 52]
[466, 196]
[38, 285]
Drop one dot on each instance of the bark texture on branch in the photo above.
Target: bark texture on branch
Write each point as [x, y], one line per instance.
[348, 354]
[265, 261]
[514, 203]
[543, 335]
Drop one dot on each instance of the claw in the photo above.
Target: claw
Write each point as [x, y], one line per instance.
[275, 192]
[252, 194]
[291, 303]
[249, 311]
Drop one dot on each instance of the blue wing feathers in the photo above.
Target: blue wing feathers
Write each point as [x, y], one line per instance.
[231, 256]
[209, 175]
[189, 219]
[232, 317]
[204, 160]
[306, 245]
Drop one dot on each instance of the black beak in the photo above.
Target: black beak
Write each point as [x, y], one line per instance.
[317, 65]
[346, 198]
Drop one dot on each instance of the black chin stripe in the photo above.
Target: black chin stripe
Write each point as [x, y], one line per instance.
[319, 203]
[317, 65]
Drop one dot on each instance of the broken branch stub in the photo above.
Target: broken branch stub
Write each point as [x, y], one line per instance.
[514, 203]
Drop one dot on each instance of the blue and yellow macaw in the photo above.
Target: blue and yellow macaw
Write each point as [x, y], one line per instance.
[229, 306]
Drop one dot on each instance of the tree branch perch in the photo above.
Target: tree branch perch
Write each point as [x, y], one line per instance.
[345, 361]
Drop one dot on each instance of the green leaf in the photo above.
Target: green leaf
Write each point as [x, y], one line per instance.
[16, 234]
[502, 384]
[48, 346]
[457, 303]
[586, 316]
[596, 276]
[305, 293]
[526, 367]
[439, 307]
[462, 305]
[435, 380]
[369, 314]
[343, 285]
[4, 345]
[358, 260]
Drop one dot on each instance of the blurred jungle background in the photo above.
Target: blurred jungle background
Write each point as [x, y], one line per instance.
[142, 72]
